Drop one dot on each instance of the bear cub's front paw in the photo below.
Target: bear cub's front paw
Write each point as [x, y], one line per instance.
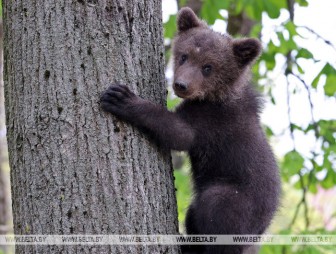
[118, 99]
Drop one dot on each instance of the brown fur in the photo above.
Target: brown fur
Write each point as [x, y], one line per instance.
[229, 58]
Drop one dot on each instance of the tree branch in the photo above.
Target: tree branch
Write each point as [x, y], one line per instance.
[314, 123]
[320, 37]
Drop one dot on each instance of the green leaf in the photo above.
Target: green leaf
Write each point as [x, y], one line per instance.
[327, 128]
[304, 53]
[295, 127]
[291, 28]
[280, 4]
[300, 69]
[309, 128]
[286, 45]
[316, 80]
[210, 10]
[254, 9]
[269, 132]
[302, 3]
[292, 163]
[330, 85]
[256, 30]
[326, 162]
[330, 180]
[269, 56]
[328, 70]
[273, 100]
[271, 8]
[170, 27]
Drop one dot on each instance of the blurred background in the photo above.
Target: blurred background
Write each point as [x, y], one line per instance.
[296, 74]
[297, 77]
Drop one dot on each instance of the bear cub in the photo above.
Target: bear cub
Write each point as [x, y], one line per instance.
[235, 175]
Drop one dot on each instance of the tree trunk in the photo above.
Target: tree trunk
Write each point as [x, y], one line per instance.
[3, 203]
[75, 169]
[239, 24]
[4, 216]
[3, 189]
[4, 193]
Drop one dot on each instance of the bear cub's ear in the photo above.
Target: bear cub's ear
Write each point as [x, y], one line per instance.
[187, 19]
[246, 50]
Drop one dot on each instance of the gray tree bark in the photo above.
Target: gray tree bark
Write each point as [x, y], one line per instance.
[4, 207]
[75, 169]
[4, 184]
[3, 192]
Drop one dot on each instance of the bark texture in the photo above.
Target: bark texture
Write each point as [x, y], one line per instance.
[4, 211]
[3, 194]
[4, 184]
[75, 169]
[3, 204]
[6, 220]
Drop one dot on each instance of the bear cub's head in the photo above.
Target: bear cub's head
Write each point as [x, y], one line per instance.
[209, 65]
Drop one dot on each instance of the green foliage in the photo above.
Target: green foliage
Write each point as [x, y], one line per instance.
[170, 27]
[210, 10]
[303, 3]
[254, 9]
[302, 249]
[327, 131]
[330, 83]
[307, 249]
[271, 249]
[292, 164]
[172, 102]
[183, 194]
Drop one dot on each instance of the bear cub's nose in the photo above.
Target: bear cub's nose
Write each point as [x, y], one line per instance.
[181, 85]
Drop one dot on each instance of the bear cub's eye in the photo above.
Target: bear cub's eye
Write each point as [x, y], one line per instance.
[184, 58]
[206, 70]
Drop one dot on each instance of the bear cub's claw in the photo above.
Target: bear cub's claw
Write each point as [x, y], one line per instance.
[117, 99]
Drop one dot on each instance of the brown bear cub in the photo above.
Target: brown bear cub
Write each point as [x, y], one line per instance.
[236, 180]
